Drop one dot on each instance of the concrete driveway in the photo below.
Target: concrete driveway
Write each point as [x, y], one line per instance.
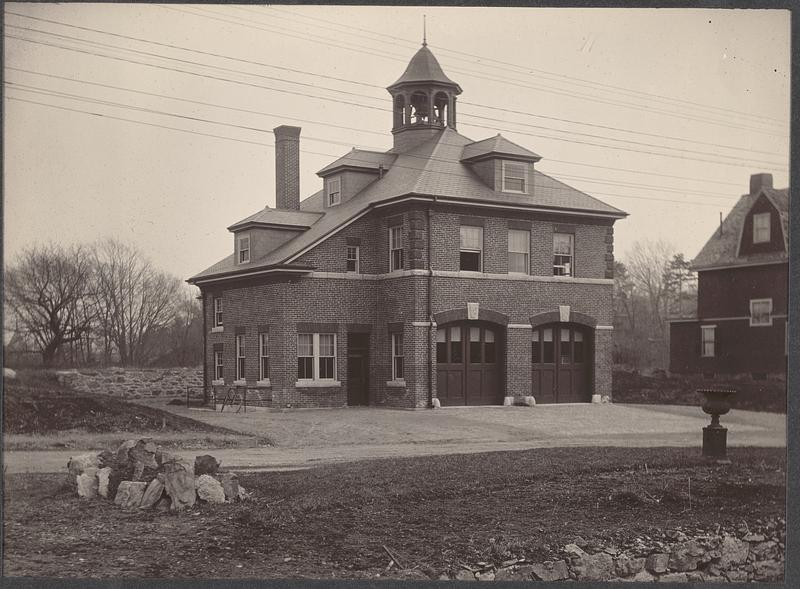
[308, 437]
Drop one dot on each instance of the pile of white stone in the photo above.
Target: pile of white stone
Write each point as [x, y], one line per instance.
[144, 476]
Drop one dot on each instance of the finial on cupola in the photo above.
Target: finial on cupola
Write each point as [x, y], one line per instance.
[424, 31]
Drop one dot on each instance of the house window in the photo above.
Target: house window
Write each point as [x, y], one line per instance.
[471, 252]
[519, 249]
[244, 249]
[334, 191]
[563, 247]
[263, 356]
[707, 340]
[218, 365]
[761, 226]
[316, 356]
[760, 312]
[218, 312]
[353, 255]
[395, 248]
[397, 356]
[239, 357]
[515, 177]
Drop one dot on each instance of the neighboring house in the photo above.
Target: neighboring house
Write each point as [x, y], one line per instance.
[444, 268]
[743, 270]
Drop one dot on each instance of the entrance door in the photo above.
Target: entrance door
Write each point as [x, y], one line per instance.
[467, 364]
[561, 364]
[357, 369]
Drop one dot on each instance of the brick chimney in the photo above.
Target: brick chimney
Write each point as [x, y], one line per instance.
[759, 181]
[287, 167]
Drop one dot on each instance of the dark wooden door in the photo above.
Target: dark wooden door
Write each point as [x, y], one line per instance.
[561, 364]
[357, 369]
[467, 364]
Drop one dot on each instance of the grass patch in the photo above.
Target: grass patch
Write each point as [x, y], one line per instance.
[433, 512]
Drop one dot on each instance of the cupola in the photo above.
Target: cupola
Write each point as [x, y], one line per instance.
[424, 100]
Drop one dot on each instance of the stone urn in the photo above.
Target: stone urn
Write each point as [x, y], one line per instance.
[715, 437]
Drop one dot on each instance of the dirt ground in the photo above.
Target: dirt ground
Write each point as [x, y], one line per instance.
[432, 512]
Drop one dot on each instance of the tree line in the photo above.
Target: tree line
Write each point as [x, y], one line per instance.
[100, 304]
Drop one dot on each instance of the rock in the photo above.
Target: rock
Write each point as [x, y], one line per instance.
[513, 573]
[657, 563]
[179, 484]
[733, 551]
[768, 570]
[465, 575]
[230, 484]
[529, 401]
[580, 542]
[105, 458]
[625, 566]
[573, 550]
[412, 574]
[674, 578]
[243, 494]
[129, 494]
[696, 577]
[122, 451]
[87, 483]
[485, 576]
[205, 464]
[754, 538]
[595, 567]
[152, 494]
[163, 504]
[640, 577]
[764, 550]
[103, 477]
[143, 455]
[735, 576]
[508, 401]
[550, 571]
[78, 464]
[209, 489]
[437, 404]
[9, 374]
[685, 556]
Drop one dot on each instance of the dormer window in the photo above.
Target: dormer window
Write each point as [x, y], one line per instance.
[333, 190]
[515, 177]
[244, 249]
[761, 227]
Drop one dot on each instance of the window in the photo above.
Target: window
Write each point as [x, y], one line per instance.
[395, 248]
[563, 246]
[519, 249]
[471, 248]
[489, 348]
[548, 349]
[564, 348]
[536, 348]
[353, 255]
[239, 357]
[761, 226]
[577, 347]
[515, 177]
[316, 356]
[475, 345]
[218, 365]
[334, 191]
[707, 340]
[244, 249]
[263, 356]
[760, 312]
[441, 346]
[218, 312]
[456, 349]
[397, 356]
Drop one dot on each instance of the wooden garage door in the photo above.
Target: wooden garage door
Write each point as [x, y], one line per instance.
[467, 356]
[561, 360]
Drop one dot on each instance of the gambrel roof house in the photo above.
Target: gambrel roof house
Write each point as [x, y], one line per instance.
[742, 295]
[442, 271]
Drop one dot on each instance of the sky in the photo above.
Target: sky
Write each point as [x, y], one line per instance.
[153, 123]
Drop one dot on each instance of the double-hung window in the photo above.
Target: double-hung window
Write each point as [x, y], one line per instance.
[760, 312]
[240, 357]
[515, 177]
[316, 356]
[263, 356]
[395, 248]
[707, 341]
[519, 250]
[333, 188]
[471, 250]
[761, 227]
[353, 258]
[218, 365]
[563, 254]
[218, 312]
[397, 356]
[244, 249]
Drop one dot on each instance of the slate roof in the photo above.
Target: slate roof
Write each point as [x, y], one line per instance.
[497, 145]
[360, 158]
[268, 216]
[424, 67]
[721, 250]
[433, 168]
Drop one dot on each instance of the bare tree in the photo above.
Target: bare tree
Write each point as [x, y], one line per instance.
[46, 289]
[136, 301]
[648, 264]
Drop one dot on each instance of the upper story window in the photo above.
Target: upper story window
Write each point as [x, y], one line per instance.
[471, 250]
[707, 341]
[240, 357]
[563, 254]
[316, 356]
[760, 312]
[353, 259]
[515, 177]
[218, 312]
[244, 249]
[333, 190]
[761, 227]
[395, 248]
[519, 250]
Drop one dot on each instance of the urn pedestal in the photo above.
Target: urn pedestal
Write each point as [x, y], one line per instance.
[715, 437]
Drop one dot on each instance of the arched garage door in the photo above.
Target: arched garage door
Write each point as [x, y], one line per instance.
[468, 356]
[561, 359]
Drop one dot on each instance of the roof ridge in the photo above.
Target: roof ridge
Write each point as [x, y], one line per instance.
[437, 140]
